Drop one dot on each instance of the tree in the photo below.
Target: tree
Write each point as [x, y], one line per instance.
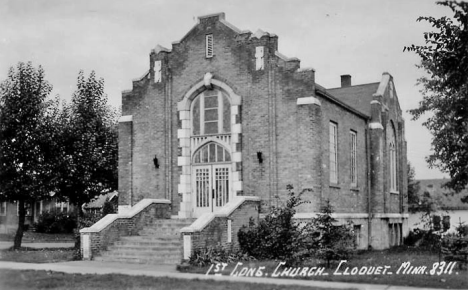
[413, 189]
[444, 58]
[334, 242]
[89, 143]
[27, 140]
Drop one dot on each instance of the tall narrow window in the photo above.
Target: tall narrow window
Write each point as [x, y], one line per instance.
[353, 158]
[157, 71]
[209, 45]
[211, 114]
[333, 152]
[393, 161]
[259, 63]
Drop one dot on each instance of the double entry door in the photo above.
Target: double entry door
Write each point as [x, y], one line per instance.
[211, 187]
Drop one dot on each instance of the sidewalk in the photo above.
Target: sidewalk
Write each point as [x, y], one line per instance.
[94, 267]
[6, 245]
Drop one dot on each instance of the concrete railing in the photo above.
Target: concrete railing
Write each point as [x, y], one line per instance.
[212, 229]
[111, 227]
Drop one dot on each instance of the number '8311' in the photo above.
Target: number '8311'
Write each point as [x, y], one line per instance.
[442, 268]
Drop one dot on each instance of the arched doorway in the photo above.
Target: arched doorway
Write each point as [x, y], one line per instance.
[211, 177]
[210, 156]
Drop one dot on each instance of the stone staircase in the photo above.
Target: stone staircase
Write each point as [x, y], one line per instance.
[157, 243]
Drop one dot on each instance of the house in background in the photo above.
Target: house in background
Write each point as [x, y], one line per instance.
[96, 205]
[447, 202]
[222, 122]
[9, 213]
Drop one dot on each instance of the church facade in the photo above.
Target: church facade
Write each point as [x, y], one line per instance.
[223, 115]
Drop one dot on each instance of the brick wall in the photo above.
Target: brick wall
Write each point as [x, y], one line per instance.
[293, 140]
[123, 226]
[216, 231]
[343, 196]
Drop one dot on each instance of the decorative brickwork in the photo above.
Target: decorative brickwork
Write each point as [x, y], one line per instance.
[275, 131]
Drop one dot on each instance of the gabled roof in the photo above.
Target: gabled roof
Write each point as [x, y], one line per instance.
[448, 199]
[99, 201]
[358, 97]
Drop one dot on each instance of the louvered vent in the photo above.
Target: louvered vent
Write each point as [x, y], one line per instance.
[209, 45]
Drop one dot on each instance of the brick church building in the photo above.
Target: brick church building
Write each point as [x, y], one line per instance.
[223, 116]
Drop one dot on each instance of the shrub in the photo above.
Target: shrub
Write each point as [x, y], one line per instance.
[462, 229]
[455, 249]
[88, 219]
[53, 222]
[424, 239]
[278, 236]
[109, 207]
[333, 242]
[210, 255]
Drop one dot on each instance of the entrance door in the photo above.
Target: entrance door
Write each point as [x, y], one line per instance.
[211, 187]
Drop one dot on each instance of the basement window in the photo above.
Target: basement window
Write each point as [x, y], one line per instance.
[209, 46]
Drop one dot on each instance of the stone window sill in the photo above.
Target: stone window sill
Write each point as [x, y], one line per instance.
[335, 185]
[355, 188]
[394, 192]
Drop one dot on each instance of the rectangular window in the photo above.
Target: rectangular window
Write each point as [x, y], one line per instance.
[209, 46]
[333, 152]
[353, 158]
[3, 208]
[211, 114]
[357, 234]
[157, 71]
[259, 64]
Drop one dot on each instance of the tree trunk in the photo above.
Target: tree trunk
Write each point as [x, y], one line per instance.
[20, 230]
[79, 217]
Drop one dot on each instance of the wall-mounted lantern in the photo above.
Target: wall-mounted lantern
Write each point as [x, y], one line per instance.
[259, 157]
[156, 162]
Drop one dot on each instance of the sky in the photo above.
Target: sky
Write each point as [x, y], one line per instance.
[363, 38]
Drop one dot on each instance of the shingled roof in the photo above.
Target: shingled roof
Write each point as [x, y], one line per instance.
[99, 201]
[358, 97]
[448, 199]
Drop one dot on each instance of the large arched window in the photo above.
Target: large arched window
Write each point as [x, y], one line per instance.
[211, 113]
[393, 160]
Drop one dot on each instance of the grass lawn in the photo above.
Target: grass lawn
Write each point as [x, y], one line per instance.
[393, 259]
[31, 255]
[29, 279]
[29, 237]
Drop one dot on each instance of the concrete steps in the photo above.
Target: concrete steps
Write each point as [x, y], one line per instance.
[157, 243]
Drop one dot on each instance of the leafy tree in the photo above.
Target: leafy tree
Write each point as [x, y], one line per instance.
[27, 140]
[444, 58]
[413, 189]
[427, 206]
[89, 143]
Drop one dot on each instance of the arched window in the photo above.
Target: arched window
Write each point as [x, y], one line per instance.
[211, 153]
[393, 161]
[211, 113]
